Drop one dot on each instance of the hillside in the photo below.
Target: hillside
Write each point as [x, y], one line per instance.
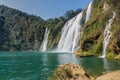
[20, 31]
[93, 31]
[23, 32]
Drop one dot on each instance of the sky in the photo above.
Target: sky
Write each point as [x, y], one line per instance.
[46, 8]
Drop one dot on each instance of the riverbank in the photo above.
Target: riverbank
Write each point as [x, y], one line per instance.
[87, 54]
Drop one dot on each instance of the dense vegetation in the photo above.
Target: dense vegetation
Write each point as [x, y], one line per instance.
[92, 40]
[23, 32]
[20, 31]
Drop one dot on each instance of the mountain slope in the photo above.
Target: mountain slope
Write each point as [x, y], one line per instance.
[19, 31]
[22, 32]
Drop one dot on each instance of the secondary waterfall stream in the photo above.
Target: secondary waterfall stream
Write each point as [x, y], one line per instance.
[71, 33]
[107, 35]
[88, 12]
[45, 41]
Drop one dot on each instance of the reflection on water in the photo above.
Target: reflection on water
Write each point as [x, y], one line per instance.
[106, 64]
[65, 58]
[97, 66]
[44, 59]
[39, 66]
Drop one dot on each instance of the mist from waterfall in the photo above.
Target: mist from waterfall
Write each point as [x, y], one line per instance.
[107, 35]
[88, 12]
[45, 40]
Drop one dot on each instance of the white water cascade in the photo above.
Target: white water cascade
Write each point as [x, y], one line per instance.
[45, 41]
[88, 12]
[70, 35]
[107, 35]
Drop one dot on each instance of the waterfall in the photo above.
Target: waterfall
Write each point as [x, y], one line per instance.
[88, 12]
[70, 35]
[107, 35]
[45, 41]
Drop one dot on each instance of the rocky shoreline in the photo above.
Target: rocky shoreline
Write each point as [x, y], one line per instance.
[75, 72]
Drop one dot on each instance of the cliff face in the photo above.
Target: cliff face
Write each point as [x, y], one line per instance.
[93, 31]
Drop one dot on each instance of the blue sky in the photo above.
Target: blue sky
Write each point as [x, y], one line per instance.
[46, 8]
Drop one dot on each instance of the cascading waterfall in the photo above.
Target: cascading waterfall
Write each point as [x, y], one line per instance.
[45, 41]
[107, 35]
[88, 12]
[70, 35]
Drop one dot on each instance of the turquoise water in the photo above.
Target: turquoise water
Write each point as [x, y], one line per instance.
[39, 66]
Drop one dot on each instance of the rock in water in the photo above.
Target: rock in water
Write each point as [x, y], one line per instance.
[71, 72]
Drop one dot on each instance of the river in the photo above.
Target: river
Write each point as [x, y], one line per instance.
[40, 65]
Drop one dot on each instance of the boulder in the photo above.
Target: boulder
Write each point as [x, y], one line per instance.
[71, 72]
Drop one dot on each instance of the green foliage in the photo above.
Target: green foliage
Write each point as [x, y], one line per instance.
[93, 31]
[94, 28]
[111, 55]
[70, 14]
[2, 19]
[97, 48]
[19, 31]
[96, 3]
[23, 32]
